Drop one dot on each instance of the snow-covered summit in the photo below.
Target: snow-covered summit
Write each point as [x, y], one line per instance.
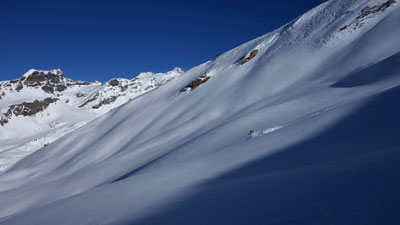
[175, 71]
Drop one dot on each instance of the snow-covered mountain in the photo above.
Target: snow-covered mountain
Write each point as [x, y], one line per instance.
[321, 96]
[42, 106]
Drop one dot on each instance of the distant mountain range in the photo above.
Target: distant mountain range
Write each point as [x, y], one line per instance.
[42, 106]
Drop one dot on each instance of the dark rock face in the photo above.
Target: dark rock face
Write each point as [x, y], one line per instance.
[124, 88]
[48, 89]
[368, 12]
[26, 109]
[117, 83]
[49, 81]
[30, 108]
[375, 9]
[114, 82]
[196, 83]
[250, 57]
[37, 77]
[61, 88]
[19, 87]
[3, 121]
[105, 102]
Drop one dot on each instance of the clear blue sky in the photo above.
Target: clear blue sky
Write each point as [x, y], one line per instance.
[99, 40]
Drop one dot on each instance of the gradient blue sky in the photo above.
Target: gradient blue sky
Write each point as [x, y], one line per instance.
[99, 40]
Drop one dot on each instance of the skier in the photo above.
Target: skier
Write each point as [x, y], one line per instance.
[251, 132]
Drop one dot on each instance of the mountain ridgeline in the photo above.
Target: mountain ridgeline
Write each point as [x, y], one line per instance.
[42, 106]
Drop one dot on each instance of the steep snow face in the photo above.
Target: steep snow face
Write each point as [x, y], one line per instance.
[321, 100]
[42, 106]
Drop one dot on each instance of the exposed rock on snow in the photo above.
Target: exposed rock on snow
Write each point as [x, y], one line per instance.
[105, 101]
[197, 82]
[368, 12]
[250, 57]
[26, 109]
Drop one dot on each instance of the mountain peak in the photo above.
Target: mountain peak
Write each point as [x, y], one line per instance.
[32, 71]
[176, 70]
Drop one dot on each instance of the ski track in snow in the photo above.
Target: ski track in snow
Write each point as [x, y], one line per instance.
[288, 125]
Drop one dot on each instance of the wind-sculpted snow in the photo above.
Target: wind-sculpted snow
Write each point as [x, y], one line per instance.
[323, 154]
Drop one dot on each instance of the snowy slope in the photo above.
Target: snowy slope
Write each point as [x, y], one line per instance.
[42, 106]
[321, 94]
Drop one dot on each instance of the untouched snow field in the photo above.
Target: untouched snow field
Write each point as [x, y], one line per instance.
[322, 100]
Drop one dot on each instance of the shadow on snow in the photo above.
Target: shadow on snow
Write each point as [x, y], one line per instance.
[346, 175]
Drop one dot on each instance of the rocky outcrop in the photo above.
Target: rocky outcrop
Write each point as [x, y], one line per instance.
[113, 82]
[19, 86]
[3, 121]
[250, 57]
[50, 82]
[48, 89]
[197, 82]
[368, 12]
[37, 78]
[105, 102]
[26, 109]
